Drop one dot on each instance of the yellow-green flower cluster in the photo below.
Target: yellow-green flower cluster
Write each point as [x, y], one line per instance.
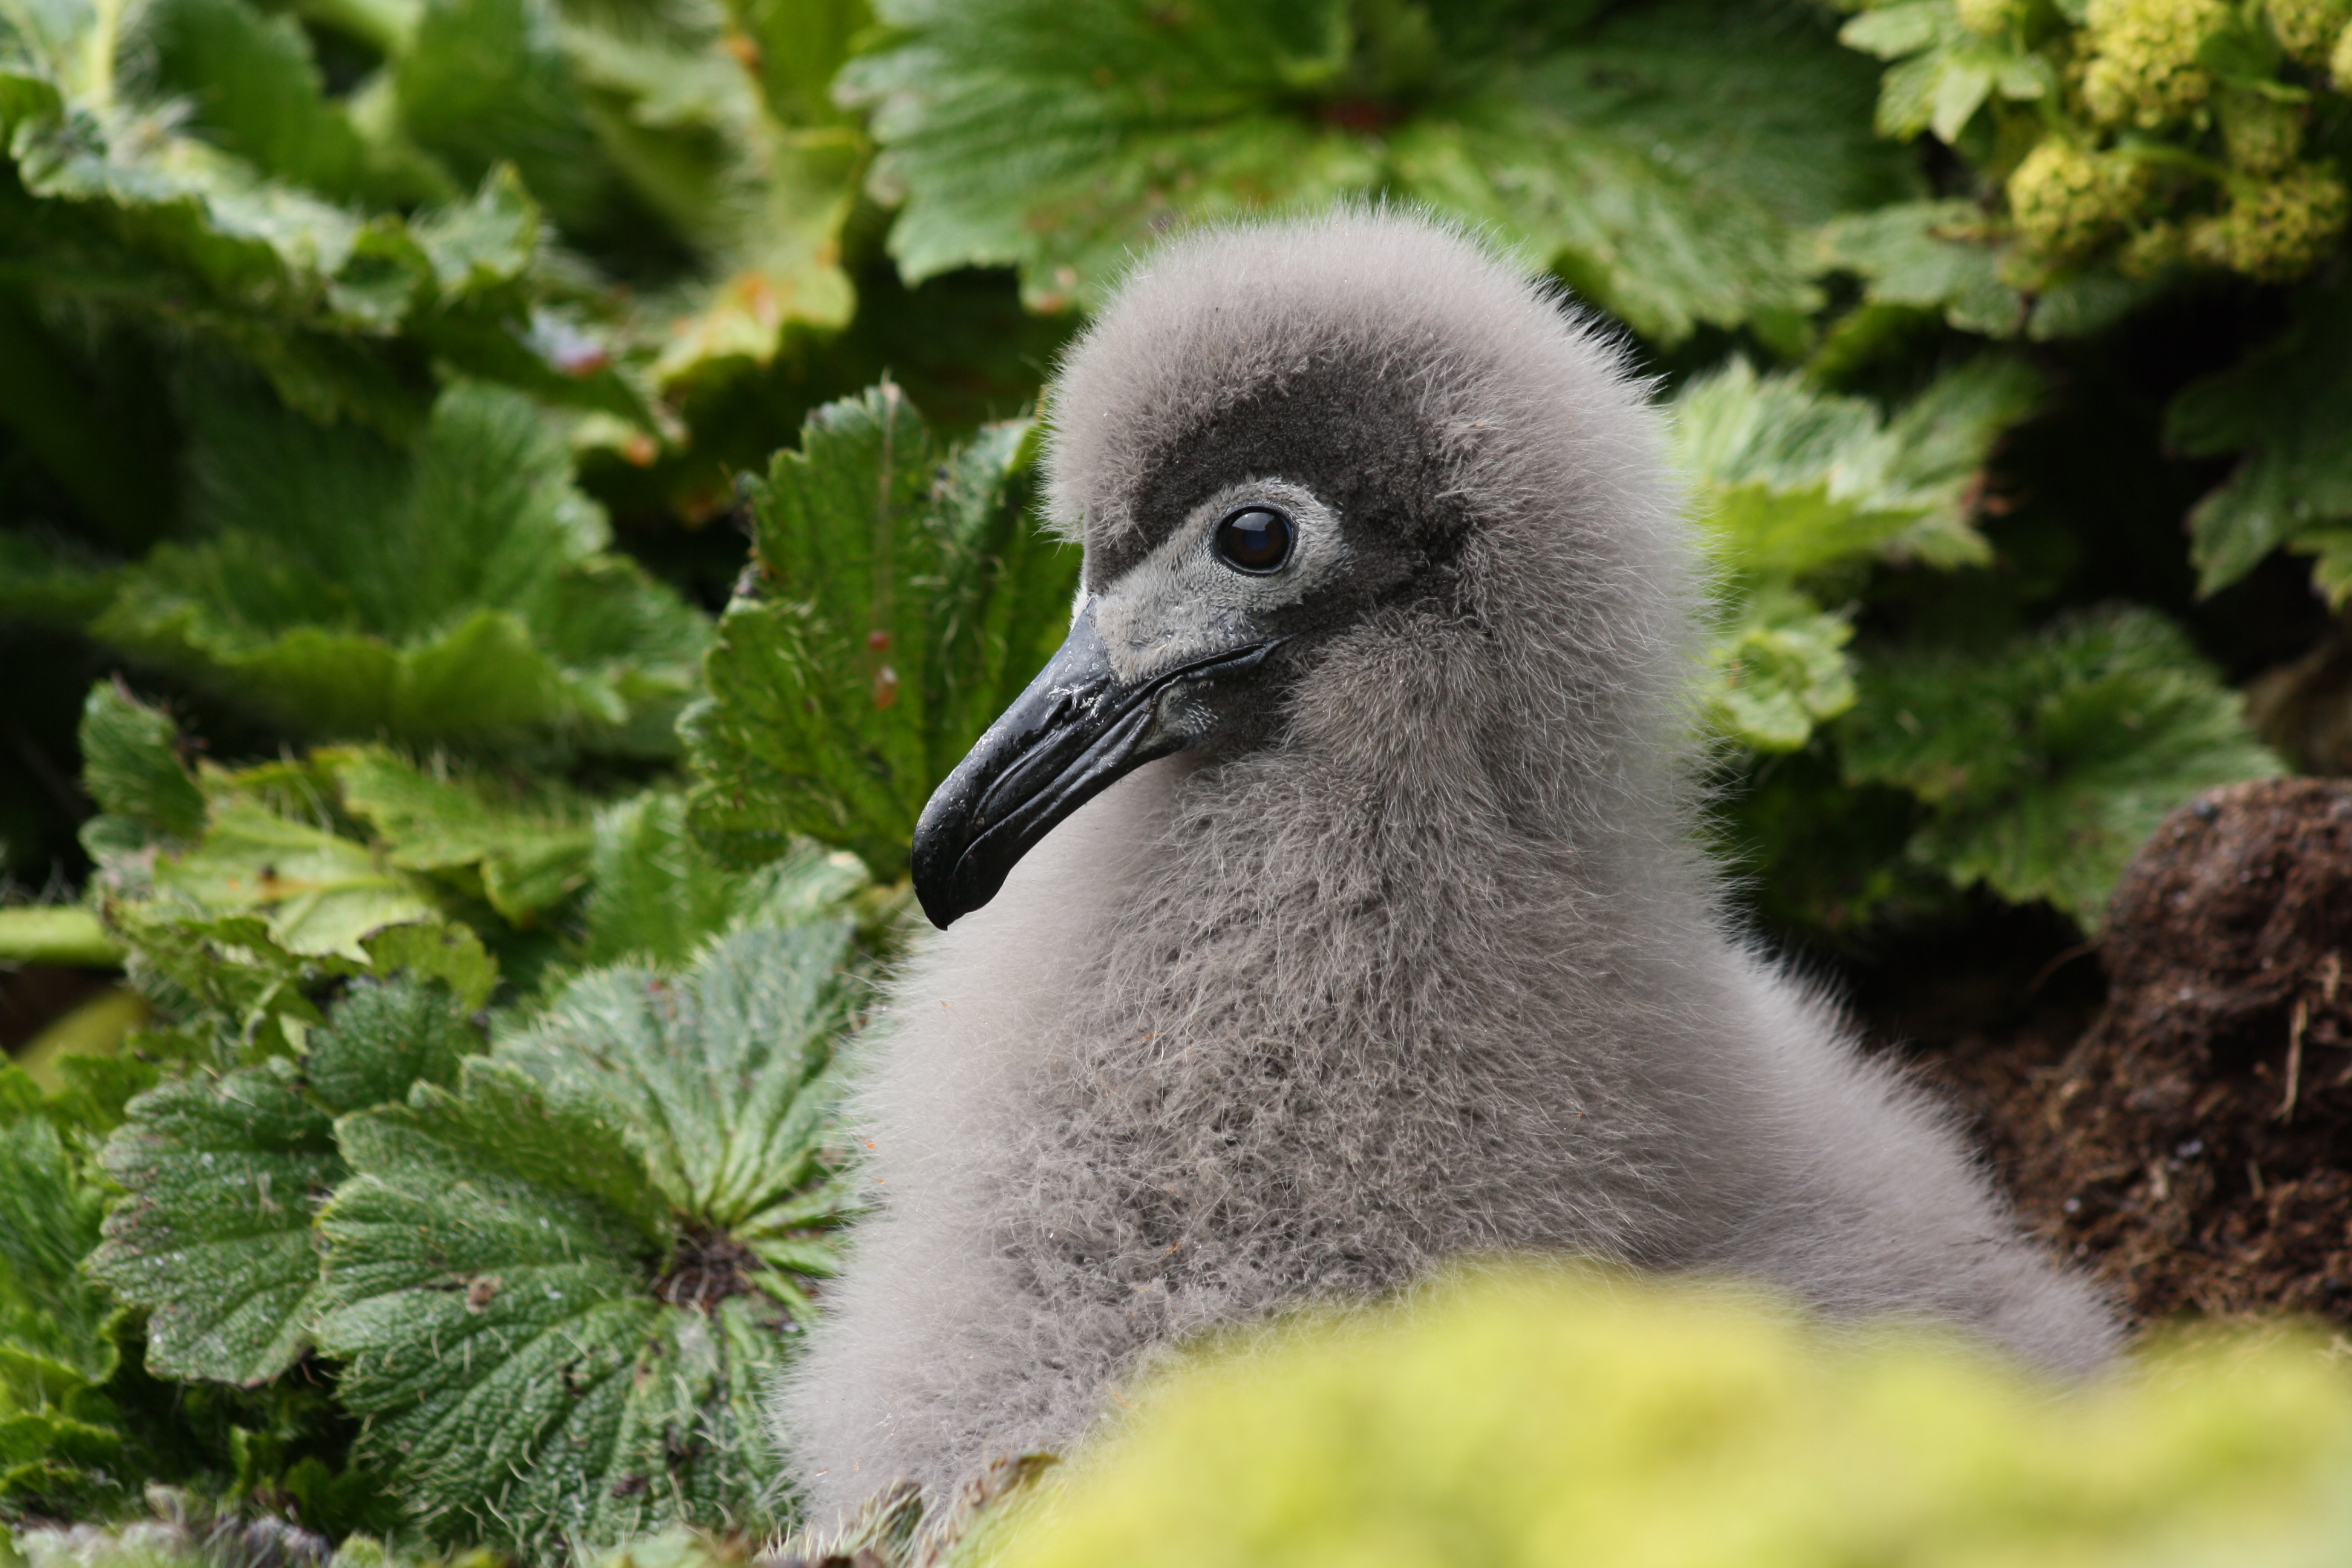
[2278, 229]
[2068, 201]
[2308, 29]
[2262, 136]
[2143, 69]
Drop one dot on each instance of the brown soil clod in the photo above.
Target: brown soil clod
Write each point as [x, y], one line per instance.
[2194, 1146]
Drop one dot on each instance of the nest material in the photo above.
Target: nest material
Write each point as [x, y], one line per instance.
[2193, 1147]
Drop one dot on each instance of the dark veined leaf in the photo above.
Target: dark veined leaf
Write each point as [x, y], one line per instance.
[2289, 408]
[1658, 161]
[226, 1177]
[561, 1288]
[463, 594]
[901, 598]
[2045, 765]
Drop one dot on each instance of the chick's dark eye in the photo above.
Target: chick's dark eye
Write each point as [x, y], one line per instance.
[1257, 540]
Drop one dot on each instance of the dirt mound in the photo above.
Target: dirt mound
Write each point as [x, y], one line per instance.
[2193, 1146]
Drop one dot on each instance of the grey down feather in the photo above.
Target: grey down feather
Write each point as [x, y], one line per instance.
[1410, 954]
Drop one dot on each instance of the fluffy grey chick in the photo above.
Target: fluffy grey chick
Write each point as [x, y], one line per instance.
[1330, 905]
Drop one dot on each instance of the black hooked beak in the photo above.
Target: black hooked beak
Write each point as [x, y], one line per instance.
[1074, 732]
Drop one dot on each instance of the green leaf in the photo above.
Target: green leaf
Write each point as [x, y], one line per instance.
[721, 1077]
[2045, 765]
[215, 1238]
[318, 894]
[485, 81]
[1795, 480]
[131, 765]
[525, 857]
[656, 894]
[2289, 408]
[463, 596]
[257, 91]
[1658, 162]
[560, 1289]
[226, 1177]
[1944, 71]
[50, 1212]
[1780, 671]
[1931, 255]
[384, 1035]
[901, 599]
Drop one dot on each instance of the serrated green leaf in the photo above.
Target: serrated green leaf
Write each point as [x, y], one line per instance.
[656, 894]
[1929, 254]
[1795, 480]
[723, 1074]
[903, 599]
[529, 856]
[1657, 161]
[549, 1284]
[131, 766]
[1780, 672]
[2046, 764]
[347, 590]
[215, 1239]
[384, 1035]
[2289, 408]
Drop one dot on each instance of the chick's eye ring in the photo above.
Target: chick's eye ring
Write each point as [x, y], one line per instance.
[1256, 539]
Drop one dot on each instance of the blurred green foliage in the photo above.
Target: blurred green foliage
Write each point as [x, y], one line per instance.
[1532, 1420]
[387, 388]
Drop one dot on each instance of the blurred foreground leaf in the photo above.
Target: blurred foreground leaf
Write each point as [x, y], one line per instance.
[1649, 1423]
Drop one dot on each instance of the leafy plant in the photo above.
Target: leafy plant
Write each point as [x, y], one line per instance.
[2134, 135]
[1801, 489]
[2045, 766]
[898, 599]
[1593, 147]
[574, 1270]
[2289, 408]
[463, 595]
